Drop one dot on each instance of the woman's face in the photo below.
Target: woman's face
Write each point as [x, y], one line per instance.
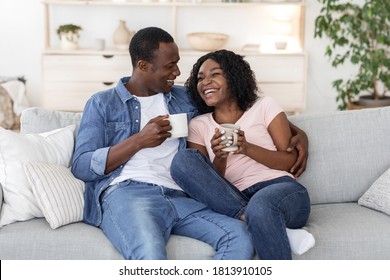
[212, 84]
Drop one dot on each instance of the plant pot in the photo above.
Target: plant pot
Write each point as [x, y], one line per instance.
[69, 41]
[366, 101]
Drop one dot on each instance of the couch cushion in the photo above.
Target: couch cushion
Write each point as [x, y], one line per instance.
[35, 240]
[59, 194]
[378, 195]
[348, 231]
[15, 149]
[38, 119]
[348, 151]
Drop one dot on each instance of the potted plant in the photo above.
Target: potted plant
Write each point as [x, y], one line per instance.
[359, 34]
[69, 35]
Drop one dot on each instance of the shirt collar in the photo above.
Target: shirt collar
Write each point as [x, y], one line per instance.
[125, 95]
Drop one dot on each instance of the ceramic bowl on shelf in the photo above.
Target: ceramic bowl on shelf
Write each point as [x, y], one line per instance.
[207, 41]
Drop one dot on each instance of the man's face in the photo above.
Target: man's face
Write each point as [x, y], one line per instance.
[163, 70]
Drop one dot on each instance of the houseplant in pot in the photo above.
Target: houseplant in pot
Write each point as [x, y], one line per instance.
[359, 33]
[69, 35]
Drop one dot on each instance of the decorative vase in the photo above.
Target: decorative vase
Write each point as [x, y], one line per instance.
[122, 36]
[69, 41]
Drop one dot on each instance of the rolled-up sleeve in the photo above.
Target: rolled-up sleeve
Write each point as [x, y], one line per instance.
[98, 161]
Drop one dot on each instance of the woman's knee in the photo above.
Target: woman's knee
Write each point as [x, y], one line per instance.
[259, 203]
[291, 202]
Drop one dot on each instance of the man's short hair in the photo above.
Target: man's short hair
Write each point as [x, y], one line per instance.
[145, 43]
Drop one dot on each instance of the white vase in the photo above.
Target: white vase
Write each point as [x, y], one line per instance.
[122, 36]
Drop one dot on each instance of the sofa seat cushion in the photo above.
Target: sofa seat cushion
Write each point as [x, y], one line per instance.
[35, 240]
[348, 231]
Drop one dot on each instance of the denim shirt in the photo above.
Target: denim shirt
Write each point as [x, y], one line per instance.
[109, 117]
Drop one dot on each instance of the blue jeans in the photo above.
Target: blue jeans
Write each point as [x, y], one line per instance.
[138, 219]
[269, 207]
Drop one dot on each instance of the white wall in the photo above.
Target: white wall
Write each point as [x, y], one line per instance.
[21, 43]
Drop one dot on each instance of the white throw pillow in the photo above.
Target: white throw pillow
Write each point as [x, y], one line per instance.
[377, 197]
[16, 149]
[58, 192]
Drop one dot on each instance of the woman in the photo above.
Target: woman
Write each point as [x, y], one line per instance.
[253, 182]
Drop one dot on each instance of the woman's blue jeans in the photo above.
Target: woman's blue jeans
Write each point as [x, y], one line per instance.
[269, 207]
[138, 219]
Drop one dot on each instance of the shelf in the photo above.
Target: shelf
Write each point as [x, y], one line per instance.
[91, 51]
[172, 3]
[70, 77]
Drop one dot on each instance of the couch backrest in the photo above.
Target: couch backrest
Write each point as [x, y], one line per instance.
[348, 151]
[38, 120]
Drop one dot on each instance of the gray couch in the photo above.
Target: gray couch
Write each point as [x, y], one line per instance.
[348, 151]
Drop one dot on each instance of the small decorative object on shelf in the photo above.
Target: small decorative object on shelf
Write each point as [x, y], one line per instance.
[207, 41]
[122, 36]
[251, 48]
[69, 36]
[100, 44]
[282, 30]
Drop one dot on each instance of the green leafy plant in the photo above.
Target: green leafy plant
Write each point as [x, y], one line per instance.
[69, 28]
[359, 34]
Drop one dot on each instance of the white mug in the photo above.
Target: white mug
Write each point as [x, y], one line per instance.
[231, 134]
[179, 125]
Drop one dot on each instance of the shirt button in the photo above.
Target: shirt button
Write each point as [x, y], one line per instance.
[136, 120]
[136, 107]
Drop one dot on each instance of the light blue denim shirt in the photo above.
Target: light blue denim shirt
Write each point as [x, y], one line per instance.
[109, 117]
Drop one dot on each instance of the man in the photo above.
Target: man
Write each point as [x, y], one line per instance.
[123, 153]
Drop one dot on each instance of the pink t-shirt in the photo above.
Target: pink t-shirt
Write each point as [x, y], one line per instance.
[241, 170]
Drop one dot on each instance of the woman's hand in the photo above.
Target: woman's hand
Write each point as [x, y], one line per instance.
[241, 143]
[216, 145]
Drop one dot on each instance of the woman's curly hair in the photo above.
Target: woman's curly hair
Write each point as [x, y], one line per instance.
[240, 78]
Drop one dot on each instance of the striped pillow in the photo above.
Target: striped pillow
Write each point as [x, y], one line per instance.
[58, 192]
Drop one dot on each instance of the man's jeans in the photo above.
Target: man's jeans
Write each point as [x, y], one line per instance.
[138, 218]
[269, 207]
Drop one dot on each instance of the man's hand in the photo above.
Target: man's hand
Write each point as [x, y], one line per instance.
[301, 143]
[155, 132]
